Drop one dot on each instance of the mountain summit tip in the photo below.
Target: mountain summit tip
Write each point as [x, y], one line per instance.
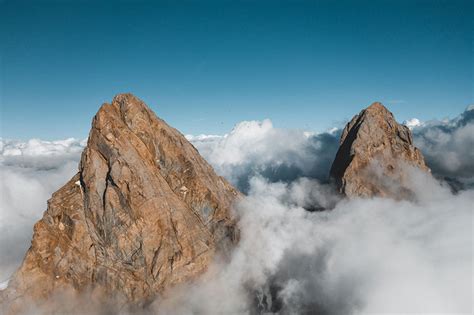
[373, 152]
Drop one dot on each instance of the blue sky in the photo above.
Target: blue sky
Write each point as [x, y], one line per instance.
[205, 65]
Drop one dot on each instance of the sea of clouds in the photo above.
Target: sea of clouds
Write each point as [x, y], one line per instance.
[360, 256]
[30, 172]
[448, 146]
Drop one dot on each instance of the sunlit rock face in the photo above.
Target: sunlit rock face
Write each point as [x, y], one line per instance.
[144, 212]
[374, 154]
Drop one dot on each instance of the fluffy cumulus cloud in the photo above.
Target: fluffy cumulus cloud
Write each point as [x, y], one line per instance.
[358, 256]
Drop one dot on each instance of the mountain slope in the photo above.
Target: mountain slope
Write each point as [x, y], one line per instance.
[144, 212]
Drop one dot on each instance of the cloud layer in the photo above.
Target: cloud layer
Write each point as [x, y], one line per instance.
[257, 147]
[448, 146]
[30, 172]
[362, 256]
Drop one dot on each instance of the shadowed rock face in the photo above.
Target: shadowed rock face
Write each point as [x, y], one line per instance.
[144, 212]
[373, 152]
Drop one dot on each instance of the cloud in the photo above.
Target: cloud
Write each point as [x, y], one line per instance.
[412, 123]
[30, 172]
[364, 256]
[257, 147]
[447, 146]
[37, 147]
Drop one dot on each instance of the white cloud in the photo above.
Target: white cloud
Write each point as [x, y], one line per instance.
[257, 147]
[30, 172]
[203, 137]
[364, 256]
[413, 123]
[447, 146]
[37, 147]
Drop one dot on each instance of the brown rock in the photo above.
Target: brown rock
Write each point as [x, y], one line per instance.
[144, 212]
[373, 152]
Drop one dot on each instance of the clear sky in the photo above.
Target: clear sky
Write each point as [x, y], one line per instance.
[204, 66]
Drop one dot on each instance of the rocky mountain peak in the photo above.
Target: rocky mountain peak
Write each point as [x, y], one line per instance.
[373, 152]
[377, 107]
[144, 213]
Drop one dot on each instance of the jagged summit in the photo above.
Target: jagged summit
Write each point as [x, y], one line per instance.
[144, 212]
[376, 107]
[373, 149]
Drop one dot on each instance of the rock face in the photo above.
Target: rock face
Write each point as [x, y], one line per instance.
[373, 150]
[144, 212]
